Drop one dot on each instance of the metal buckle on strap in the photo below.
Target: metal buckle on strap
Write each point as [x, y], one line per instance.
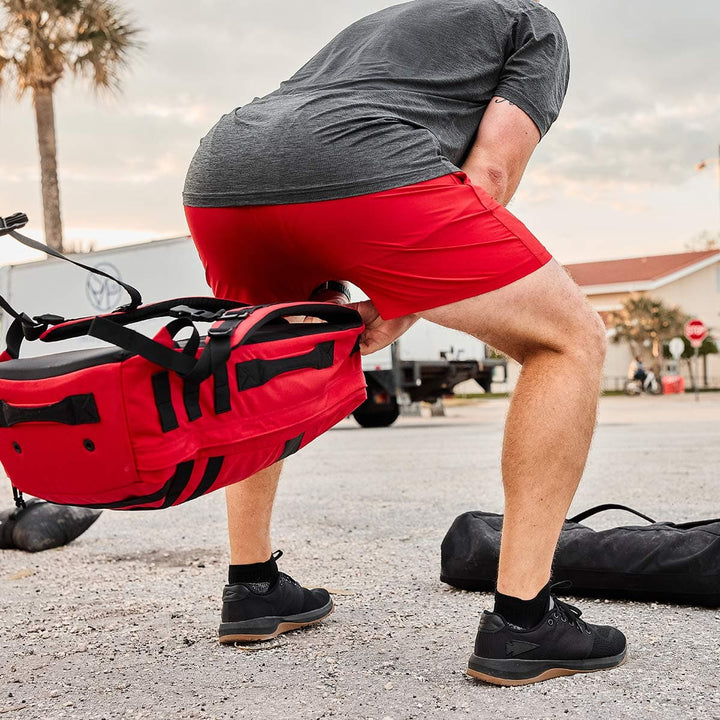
[49, 319]
[230, 320]
[185, 311]
[237, 313]
[32, 328]
[12, 222]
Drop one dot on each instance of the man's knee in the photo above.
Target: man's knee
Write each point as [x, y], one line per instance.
[589, 341]
[579, 337]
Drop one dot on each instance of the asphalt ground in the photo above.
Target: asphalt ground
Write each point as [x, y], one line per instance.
[123, 622]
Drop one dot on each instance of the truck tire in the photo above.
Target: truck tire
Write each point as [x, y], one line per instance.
[376, 413]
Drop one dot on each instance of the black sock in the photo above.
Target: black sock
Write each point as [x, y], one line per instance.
[265, 572]
[524, 613]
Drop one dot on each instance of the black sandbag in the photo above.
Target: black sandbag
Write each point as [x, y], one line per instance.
[661, 561]
[41, 525]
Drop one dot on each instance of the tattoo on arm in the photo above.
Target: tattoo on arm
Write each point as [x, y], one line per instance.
[502, 100]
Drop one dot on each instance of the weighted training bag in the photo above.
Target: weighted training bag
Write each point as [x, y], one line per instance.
[665, 561]
[147, 423]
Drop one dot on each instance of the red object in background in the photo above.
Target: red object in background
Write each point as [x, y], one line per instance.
[673, 384]
[695, 332]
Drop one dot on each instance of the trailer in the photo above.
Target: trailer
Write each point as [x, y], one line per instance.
[424, 365]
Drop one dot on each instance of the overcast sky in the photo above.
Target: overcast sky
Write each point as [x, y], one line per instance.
[615, 177]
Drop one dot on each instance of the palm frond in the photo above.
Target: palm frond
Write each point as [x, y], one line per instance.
[643, 320]
[105, 37]
[44, 38]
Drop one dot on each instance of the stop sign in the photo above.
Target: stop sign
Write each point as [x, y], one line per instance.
[695, 332]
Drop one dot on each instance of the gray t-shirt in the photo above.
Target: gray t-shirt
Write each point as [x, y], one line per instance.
[394, 99]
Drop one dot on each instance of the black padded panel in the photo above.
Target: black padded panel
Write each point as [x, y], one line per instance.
[58, 364]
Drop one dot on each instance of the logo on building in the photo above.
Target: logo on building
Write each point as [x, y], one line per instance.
[104, 294]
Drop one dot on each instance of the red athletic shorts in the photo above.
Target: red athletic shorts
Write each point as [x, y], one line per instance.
[408, 249]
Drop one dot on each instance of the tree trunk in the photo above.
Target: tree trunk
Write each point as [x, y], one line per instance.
[45, 119]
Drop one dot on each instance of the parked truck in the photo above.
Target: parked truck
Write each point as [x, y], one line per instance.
[424, 365]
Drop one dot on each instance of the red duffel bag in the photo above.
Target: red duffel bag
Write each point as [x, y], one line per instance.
[147, 423]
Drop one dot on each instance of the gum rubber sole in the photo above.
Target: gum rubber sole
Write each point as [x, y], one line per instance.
[269, 628]
[545, 673]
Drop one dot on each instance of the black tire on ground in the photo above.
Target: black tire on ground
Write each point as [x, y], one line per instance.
[372, 414]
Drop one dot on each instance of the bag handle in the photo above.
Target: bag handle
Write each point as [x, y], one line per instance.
[220, 336]
[608, 506]
[330, 312]
[72, 410]
[138, 344]
[183, 362]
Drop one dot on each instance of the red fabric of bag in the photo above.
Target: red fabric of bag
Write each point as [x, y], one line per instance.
[134, 435]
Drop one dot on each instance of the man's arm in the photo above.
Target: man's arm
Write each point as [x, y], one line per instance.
[504, 143]
[505, 140]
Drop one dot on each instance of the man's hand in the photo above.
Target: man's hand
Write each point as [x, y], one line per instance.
[379, 333]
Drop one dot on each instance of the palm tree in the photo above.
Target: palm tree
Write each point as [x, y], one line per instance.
[41, 41]
[644, 321]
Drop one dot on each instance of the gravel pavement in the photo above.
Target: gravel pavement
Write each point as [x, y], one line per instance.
[123, 622]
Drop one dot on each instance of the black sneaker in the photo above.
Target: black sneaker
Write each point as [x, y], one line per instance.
[251, 612]
[561, 644]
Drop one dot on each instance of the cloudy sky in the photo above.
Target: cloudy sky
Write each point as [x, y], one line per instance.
[615, 177]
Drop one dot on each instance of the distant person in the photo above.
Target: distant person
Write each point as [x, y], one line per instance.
[386, 161]
[637, 371]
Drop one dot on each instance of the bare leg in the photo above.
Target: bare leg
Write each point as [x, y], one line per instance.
[547, 438]
[249, 511]
[257, 606]
[250, 502]
[545, 323]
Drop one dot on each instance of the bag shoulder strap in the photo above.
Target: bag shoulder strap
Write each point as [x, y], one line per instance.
[608, 506]
[11, 225]
[201, 309]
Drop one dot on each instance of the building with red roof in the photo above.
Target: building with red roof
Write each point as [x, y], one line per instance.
[689, 280]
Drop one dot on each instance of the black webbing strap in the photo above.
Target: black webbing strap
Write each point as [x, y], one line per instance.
[18, 498]
[161, 381]
[22, 326]
[292, 446]
[214, 358]
[608, 506]
[163, 401]
[221, 383]
[193, 342]
[10, 226]
[14, 338]
[7, 226]
[197, 308]
[171, 490]
[72, 410]
[8, 308]
[253, 373]
[191, 400]
[212, 470]
[138, 344]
